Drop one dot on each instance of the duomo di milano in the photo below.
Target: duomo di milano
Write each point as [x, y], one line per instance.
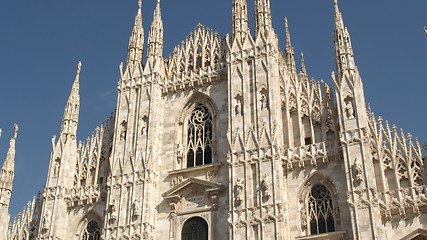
[256, 151]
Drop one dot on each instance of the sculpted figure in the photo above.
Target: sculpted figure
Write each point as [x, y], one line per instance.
[238, 191]
[136, 206]
[266, 187]
[358, 173]
[122, 132]
[56, 169]
[263, 101]
[113, 209]
[349, 110]
[46, 220]
[238, 107]
[180, 152]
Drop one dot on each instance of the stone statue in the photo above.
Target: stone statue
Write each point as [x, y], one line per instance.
[144, 126]
[238, 107]
[136, 207]
[122, 132]
[266, 187]
[46, 220]
[358, 172]
[238, 191]
[179, 152]
[349, 110]
[113, 210]
[263, 101]
[56, 169]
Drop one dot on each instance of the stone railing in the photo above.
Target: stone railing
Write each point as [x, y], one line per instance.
[403, 201]
[305, 155]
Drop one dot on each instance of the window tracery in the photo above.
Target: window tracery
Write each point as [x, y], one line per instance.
[199, 138]
[92, 231]
[320, 210]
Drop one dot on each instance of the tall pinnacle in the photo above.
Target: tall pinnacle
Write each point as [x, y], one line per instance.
[136, 41]
[303, 67]
[339, 23]
[290, 55]
[71, 112]
[263, 22]
[155, 38]
[240, 19]
[344, 57]
[9, 164]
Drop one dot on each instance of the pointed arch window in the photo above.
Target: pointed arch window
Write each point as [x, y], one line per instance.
[320, 210]
[199, 137]
[195, 229]
[92, 231]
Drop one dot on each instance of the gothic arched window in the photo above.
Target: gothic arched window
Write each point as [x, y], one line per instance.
[199, 138]
[92, 231]
[320, 210]
[195, 229]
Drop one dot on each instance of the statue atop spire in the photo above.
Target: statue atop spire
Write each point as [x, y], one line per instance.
[303, 67]
[136, 41]
[71, 112]
[240, 20]
[155, 38]
[263, 22]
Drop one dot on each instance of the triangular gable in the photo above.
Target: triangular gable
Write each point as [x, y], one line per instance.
[178, 190]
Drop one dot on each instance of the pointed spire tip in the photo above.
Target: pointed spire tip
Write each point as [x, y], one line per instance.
[15, 129]
[79, 67]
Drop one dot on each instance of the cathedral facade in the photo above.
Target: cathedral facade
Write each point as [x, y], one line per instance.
[226, 139]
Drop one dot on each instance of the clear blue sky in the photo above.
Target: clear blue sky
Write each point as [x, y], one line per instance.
[42, 41]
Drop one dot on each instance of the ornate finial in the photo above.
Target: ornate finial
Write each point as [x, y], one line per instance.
[0, 132]
[327, 88]
[286, 23]
[394, 128]
[303, 68]
[16, 129]
[336, 2]
[425, 30]
[139, 4]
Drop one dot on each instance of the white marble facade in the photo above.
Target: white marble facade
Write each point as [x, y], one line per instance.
[225, 139]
